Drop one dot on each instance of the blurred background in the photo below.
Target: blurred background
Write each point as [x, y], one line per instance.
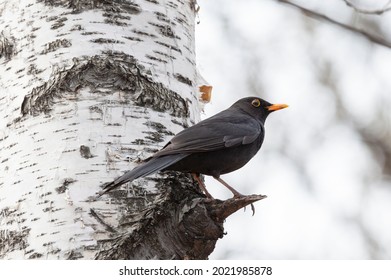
[325, 164]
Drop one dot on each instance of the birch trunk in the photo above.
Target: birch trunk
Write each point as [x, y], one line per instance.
[87, 90]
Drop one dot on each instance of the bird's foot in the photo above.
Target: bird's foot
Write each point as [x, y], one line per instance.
[252, 208]
[223, 209]
[202, 186]
[238, 195]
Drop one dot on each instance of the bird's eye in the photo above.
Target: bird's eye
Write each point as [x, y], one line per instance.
[256, 103]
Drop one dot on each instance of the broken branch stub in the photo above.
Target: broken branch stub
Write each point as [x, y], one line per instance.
[180, 224]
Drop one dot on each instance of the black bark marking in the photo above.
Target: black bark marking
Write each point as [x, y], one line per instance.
[165, 30]
[59, 21]
[114, 18]
[33, 70]
[13, 240]
[155, 58]
[7, 47]
[85, 152]
[133, 38]
[55, 45]
[139, 142]
[165, 55]
[183, 79]
[35, 255]
[183, 124]
[171, 47]
[159, 127]
[180, 20]
[96, 109]
[159, 133]
[19, 71]
[77, 27]
[106, 41]
[92, 33]
[162, 17]
[66, 182]
[142, 33]
[154, 136]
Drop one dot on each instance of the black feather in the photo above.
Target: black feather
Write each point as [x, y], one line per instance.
[154, 164]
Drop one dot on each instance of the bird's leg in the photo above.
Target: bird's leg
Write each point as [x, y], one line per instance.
[202, 185]
[235, 192]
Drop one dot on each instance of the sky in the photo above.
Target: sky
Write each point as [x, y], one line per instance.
[323, 164]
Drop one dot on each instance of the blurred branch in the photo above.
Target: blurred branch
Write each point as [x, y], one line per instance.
[371, 37]
[385, 9]
[375, 135]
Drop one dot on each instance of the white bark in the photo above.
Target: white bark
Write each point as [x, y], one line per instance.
[85, 87]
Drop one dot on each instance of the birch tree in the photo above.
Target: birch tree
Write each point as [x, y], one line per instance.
[87, 90]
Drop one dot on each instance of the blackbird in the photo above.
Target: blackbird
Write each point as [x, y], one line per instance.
[218, 145]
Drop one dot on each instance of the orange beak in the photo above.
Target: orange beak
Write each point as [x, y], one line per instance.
[276, 107]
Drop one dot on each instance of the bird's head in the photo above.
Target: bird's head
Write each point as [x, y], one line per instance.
[257, 107]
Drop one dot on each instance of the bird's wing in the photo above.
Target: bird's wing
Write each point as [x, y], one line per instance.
[218, 132]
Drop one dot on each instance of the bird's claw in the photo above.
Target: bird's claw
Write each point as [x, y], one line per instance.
[252, 208]
[239, 195]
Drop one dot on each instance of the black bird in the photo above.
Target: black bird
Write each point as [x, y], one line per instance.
[218, 145]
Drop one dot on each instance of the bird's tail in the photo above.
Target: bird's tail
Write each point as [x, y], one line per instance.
[155, 164]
